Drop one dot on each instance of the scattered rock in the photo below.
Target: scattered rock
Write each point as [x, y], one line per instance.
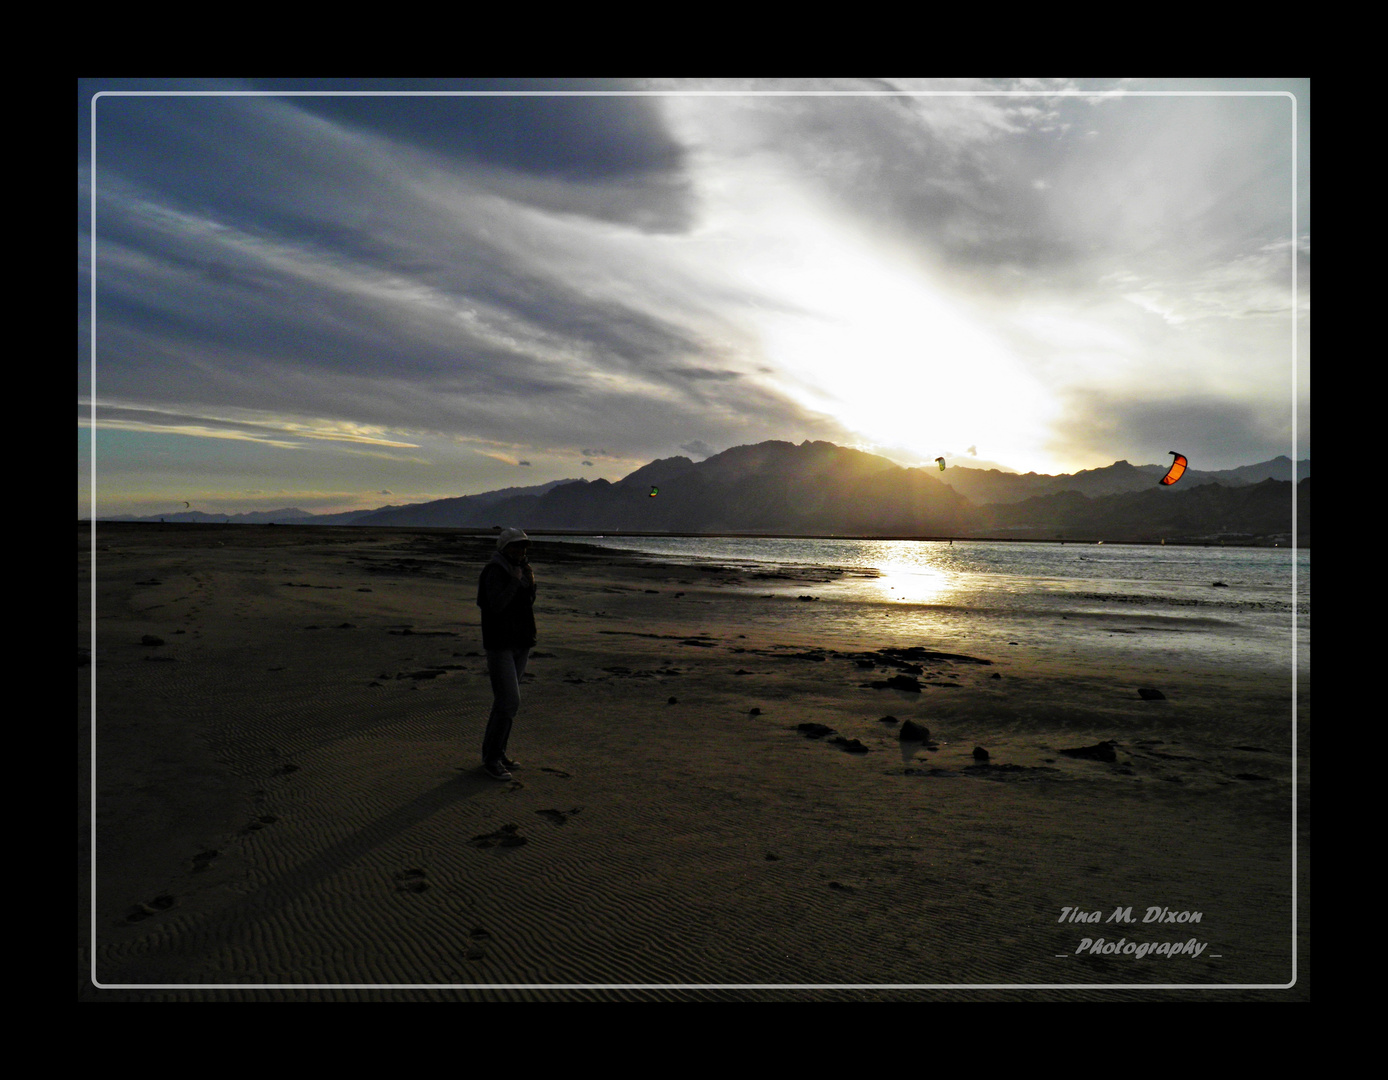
[1098, 752]
[913, 732]
[150, 639]
[754, 711]
[908, 683]
[1218, 585]
[980, 754]
[672, 701]
[815, 731]
[1146, 693]
[853, 746]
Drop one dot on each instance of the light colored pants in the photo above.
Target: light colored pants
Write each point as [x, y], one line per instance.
[505, 668]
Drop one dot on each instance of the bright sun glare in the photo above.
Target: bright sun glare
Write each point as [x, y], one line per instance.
[896, 360]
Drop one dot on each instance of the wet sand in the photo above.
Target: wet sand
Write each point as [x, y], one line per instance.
[288, 794]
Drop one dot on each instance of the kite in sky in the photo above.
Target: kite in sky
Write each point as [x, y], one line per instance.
[654, 491]
[1177, 470]
[940, 462]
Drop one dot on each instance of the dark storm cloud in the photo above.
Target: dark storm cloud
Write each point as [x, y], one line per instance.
[613, 156]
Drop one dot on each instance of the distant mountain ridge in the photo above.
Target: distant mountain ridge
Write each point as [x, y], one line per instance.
[818, 488]
[994, 486]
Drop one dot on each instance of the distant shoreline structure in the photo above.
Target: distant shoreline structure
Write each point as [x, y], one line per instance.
[618, 534]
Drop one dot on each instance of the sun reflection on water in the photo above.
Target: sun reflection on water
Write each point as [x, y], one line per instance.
[916, 573]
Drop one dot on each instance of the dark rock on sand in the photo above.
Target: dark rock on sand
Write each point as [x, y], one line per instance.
[1146, 693]
[913, 732]
[815, 731]
[150, 639]
[1098, 752]
[899, 682]
[754, 711]
[672, 701]
[980, 754]
[853, 746]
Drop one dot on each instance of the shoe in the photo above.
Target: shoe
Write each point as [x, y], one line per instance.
[496, 770]
[509, 763]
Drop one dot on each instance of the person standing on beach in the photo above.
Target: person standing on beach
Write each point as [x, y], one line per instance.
[506, 595]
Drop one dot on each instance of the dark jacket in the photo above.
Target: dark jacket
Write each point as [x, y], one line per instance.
[508, 606]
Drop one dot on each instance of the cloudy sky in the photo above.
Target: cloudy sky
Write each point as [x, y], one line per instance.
[338, 301]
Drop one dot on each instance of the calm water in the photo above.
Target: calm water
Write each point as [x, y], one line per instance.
[1104, 597]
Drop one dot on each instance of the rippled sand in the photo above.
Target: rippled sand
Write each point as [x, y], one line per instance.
[287, 790]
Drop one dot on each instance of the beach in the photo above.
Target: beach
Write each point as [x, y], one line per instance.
[714, 802]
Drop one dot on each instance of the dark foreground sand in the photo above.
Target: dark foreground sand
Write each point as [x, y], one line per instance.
[287, 793]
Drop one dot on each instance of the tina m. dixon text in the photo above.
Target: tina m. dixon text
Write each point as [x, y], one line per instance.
[1125, 915]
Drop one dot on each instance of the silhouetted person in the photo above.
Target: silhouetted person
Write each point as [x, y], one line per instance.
[506, 595]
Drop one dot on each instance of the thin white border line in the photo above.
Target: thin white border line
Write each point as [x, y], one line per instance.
[1296, 480]
[699, 93]
[695, 986]
[1295, 240]
[91, 732]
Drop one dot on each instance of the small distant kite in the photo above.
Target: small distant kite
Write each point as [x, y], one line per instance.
[654, 491]
[189, 505]
[1177, 470]
[940, 462]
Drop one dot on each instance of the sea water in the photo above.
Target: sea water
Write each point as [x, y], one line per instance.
[1208, 605]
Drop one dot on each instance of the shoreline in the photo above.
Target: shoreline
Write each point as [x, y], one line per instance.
[679, 824]
[84, 523]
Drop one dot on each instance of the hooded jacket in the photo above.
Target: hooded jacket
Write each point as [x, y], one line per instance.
[508, 605]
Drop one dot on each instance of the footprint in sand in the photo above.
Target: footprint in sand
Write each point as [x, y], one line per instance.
[559, 816]
[154, 907]
[411, 881]
[261, 822]
[203, 859]
[506, 836]
[555, 772]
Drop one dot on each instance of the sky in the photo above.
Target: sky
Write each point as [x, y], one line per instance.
[338, 295]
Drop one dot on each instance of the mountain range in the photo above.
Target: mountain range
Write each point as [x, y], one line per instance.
[818, 488]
